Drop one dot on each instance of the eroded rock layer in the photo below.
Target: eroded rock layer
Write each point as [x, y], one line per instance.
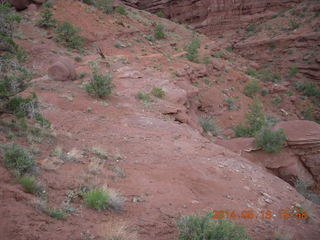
[212, 16]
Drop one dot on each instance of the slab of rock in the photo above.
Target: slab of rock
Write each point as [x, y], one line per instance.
[300, 132]
[19, 4]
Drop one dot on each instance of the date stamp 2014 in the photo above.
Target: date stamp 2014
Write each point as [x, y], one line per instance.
[263, 214]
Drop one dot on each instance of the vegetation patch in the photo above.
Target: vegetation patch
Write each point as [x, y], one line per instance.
[158, 92]
[270, 141]
[69, 35]
[17, 158]
[252, 88]
[196, 227]
[96, 199]
[159, 32]
[192, 50]
[100, 85]
[209, 125]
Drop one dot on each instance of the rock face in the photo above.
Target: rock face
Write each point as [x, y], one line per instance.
[304, 138]
[20, 4]
[212, 16]
[62, 70]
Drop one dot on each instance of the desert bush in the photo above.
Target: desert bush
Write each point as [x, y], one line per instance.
[30, 185]
[293, 71]
[13, 78]
[308, 89]
[255, 120]
[158, 92]
[192, 50]
[121, 10]
[105, 6]
[230, 104]
[8, 22]
[203, 227]
[160, 14]
[96, 199]
[100, 85]
[145, 97]
[17, 158]
[56, 213]
[208, 124]
[159, 32]
[270, 141]
[252, 88]
[46, 19]
[68, 35]
[23, 107]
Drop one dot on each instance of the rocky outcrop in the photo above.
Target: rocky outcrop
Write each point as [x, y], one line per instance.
[212, 16]
[304, 138]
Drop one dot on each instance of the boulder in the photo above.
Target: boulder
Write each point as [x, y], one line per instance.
[62, 70]
[19, 4]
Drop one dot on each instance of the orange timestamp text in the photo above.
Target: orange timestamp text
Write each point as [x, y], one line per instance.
[263, 214]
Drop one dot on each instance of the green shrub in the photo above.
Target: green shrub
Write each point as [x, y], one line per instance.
[89, 2]
[96, 199]
[13, 78]
[276, 100]
[30, 185]
[251, 28]
[56, 213]
[159, 32]
[293, 71]
[47, 4]
[68, 35]
[309, 89]
[100, 85]
[229, 49]
[270, 141]
[105, 6]
[268, 76]
[143, 96]
[255, 120]
[230, 104]
[46, 20]
[192, 50]
[209, 125]
[8, 21]
[252, 72]
[41, 120]
[121, 10]
[23, 107]
[17, 158]
[204, 228]
[160, 14]
[252, 88]
[158, 92]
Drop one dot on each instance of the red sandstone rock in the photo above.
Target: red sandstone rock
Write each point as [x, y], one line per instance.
[20, 4]
[62, 70]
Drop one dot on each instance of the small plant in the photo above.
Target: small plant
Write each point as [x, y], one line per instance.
[121, 10]
[42, 121]
[229, 49]
[196, 227]
[23, 107]
[143, 97]
[252, 72]
[105, 6]
[206, 60]
[96, 199]
[100, 85]
[30, 185]
[68, 35]
[230, 104]
[158, 92]
[192, 50]
[252, 88]
[276, 100]
[309, 89]
[255, 120]
[159, 32]
[251, 28]
[8, 21]
[17, 158]
[46, 19]
[293, 71]
[208, 125]
[160, 14]
[56, 213]
[270, 141]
